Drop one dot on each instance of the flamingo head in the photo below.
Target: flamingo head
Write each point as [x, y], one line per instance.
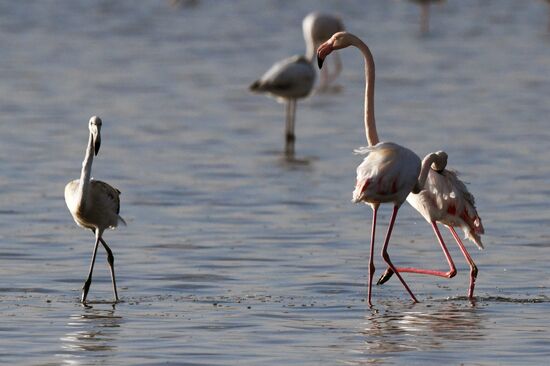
[95, 129]
[337, 41]
[440, 163]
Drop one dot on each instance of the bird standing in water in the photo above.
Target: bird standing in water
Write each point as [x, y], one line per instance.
[389, 172]
[445, 199]
[287, 80]
[94, 204]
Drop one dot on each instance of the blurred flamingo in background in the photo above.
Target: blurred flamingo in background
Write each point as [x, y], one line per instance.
[288, 80]
[445, 199]
[389, 172]
[317, 28]
[425, 13]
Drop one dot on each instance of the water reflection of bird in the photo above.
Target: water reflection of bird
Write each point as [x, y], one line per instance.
[401, 328]
[389, 172]
[91, 332]
[94, 204]
[425, 13]
[288, 80]
[317, 28]
[444, 198]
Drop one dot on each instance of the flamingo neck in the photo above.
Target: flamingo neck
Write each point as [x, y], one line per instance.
[439, 161]
[310, 49]
[370, 124]
[85, 175]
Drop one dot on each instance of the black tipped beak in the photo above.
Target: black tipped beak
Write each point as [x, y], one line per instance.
[385, 276]
[320, 61]
[97, 144]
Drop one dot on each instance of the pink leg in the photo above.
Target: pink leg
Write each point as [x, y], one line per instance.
[473, 267]
[452, 269]
[371, 258]
[387, 257]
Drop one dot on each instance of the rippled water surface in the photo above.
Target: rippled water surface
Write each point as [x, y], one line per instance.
[232, 255]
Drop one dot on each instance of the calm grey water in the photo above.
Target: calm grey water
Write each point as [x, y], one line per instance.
[231, 255]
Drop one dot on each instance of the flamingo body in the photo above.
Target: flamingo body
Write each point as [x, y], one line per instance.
[290, 78]
[100, 210]
[445, 199]
[387, 174]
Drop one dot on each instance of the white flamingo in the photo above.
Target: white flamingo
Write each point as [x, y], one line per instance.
[444, 198]
[94, 204]
[317, 28]
[288, 80]
[389, 172]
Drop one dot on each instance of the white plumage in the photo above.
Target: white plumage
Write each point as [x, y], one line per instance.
[446, 199]
[387, 174]
[94, 204]
[287, 80]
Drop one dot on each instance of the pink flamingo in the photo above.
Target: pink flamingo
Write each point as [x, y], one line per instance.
[445, 199]
[389, 172]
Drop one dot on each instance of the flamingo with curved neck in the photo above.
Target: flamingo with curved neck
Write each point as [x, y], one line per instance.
[389, 172]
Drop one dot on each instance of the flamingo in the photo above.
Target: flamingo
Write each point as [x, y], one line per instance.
[444, 198]
[94, 204]
[287, 80]
[389, 172]
[317, 28]
[425, 14]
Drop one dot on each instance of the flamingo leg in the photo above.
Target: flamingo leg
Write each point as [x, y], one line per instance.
[111, 262]
[371, 257]
[386, 256]
[324, 78]
[289, 133]
[450, 274]
[88, 282]
[473, 267]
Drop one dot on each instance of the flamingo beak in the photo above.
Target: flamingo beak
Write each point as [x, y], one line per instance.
[322, 52]
[320, 61]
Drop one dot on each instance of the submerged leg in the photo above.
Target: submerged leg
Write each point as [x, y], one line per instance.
[473, 267]
[371, 257]
[111, 262]
[450, 274]
[386, 256]
[289, 133]
[88, 282]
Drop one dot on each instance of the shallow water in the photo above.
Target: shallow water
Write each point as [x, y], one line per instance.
[232, 255]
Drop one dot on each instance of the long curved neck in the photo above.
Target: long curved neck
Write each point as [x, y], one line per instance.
[84, 183]
[310, 48]
[439, 161]
[370, 124]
